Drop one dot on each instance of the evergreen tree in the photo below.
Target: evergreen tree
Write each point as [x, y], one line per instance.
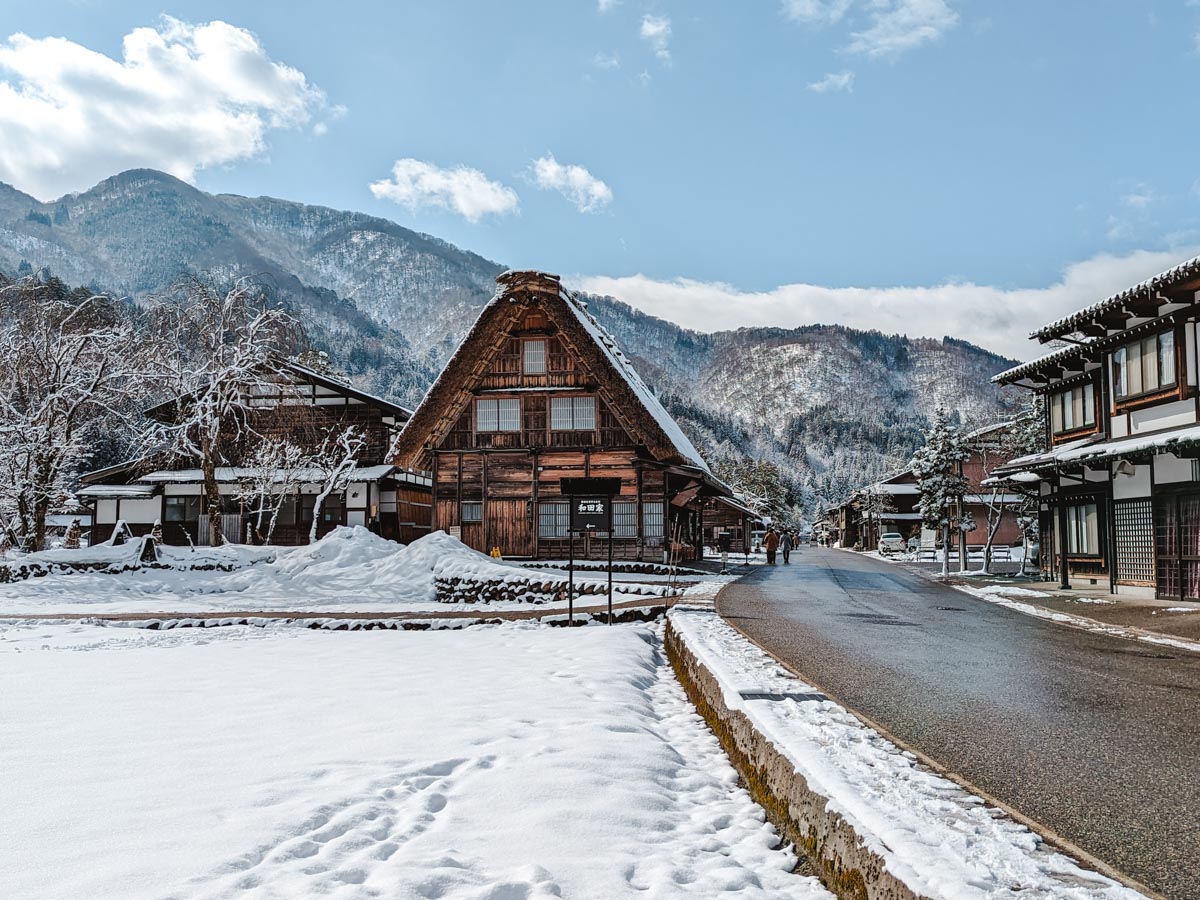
[938, 469]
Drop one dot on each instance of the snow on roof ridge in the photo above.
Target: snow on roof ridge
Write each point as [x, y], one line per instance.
[625, 368]
[1056, 327]
[1034, 364]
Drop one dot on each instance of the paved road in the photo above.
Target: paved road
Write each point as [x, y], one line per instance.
[1094, 737]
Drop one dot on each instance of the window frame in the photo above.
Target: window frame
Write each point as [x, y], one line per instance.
[573, 400]
[1080, 532]
[1124, 352]
[1063, 401]
[654, 520]
[560, 511]
[496, 402]
[477, 506]
[545, 363]
[184, 500]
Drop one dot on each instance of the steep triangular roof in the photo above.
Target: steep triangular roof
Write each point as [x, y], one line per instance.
[627, 396]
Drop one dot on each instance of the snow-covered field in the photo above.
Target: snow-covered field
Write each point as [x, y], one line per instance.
[497, 762]
[937, 838]
[349, 569]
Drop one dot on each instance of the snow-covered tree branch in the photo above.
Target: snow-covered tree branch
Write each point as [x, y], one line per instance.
[69, 361]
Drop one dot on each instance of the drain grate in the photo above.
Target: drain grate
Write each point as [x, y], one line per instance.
[950, 608]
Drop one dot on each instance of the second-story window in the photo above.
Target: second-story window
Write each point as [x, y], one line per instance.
[573, 413]
[535, 357]
[1073, 409]
[1144, 366]
[498, 415]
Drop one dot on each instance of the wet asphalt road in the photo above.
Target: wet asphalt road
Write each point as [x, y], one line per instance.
[1096, 738]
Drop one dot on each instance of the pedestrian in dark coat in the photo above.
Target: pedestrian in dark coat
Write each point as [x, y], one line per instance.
[771, 544]
[785, 544]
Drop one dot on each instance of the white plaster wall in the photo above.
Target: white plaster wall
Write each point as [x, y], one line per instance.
[1127, 487]
[1118, 426]
[1166, 415]
[141, 512]
[1095, 474]
[106, 512]
[183, 490]
[1171, 470]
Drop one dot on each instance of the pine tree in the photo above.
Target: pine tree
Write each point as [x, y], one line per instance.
[938, 469]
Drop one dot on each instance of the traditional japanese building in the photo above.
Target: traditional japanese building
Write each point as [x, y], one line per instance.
[892, 504]
[1120, 484]
[539, 391]
[306, 406]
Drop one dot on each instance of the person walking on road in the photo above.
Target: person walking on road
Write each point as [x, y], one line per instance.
[771, 544]
[785, 544]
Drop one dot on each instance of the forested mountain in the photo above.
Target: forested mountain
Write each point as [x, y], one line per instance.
[831, 406]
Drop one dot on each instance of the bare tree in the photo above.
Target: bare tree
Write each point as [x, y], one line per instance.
[336, 461]
[68, 362]
[222, 349]
[274, 472]
[873, 502]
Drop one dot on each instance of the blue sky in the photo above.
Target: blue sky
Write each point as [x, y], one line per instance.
[971, 167]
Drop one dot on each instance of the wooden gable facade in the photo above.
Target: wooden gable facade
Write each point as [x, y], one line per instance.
[538, 392]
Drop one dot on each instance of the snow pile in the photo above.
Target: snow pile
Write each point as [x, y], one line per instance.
[350, 568]
[293, 763]
[934, 836]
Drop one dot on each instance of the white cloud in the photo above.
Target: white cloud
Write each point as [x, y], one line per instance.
[834, 82]
[577, 184]
[901, 25]
[181, 98]
[999, 319]
[466, 191]
[606, 61]
[818, 12]
[656, 31]
[603, 6]
[1139, 198]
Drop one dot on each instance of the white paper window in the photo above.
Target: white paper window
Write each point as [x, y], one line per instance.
[553, 519]
[498, 415]
[652, 519]
[573, 413]
[472, 511]
[624, 514]
[535, 357]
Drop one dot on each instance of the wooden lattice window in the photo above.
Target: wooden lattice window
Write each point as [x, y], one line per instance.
[1134, 523]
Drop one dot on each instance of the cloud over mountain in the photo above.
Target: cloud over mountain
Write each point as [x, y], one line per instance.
[182, 97]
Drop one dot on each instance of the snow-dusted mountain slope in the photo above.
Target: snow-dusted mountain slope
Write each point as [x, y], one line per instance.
[832, 406]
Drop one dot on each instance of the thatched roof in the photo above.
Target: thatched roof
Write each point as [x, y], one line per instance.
[618, 384]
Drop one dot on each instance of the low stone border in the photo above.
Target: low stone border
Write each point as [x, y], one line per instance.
[830, 845]
[516, 589]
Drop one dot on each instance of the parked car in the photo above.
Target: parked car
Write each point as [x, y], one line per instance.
[891, 542]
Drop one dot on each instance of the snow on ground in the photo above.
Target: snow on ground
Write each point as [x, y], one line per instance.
[936, 837]
[349, 569]
[1003, 598]
[495, 762]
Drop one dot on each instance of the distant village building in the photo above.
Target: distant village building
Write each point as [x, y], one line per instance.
[539, 391]
[304, 404]
[892, 504]
[1120, 484]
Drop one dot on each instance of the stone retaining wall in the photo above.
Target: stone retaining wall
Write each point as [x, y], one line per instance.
[830, 848]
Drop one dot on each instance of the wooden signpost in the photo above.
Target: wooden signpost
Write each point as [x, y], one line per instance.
[591, 512]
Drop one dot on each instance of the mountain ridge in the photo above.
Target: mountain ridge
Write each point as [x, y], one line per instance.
[832, 406]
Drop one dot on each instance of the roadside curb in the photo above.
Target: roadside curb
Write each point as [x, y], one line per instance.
[826, 840]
